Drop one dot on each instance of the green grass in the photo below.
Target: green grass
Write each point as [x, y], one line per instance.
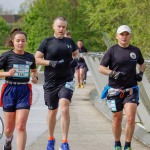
[2, 51]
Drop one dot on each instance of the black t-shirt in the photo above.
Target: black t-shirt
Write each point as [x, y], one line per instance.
[22, 64]
[56, 49]
[82, 50]
[123, 60]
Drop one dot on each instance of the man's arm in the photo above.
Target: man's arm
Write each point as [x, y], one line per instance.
[39, 59]
[104, 70]
[75, 54]
[113, 74]
[142, 68]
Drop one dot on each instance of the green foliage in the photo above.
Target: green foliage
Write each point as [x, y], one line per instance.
[92, 21]
[39, 19]
[107, 16]
[4, 31]
[36, 24]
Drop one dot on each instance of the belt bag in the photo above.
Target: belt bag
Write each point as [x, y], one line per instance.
[115, 92]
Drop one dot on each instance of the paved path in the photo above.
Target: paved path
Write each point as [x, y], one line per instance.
[89, 129]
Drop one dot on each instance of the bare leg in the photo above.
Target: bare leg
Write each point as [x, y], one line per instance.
[21, 120]
[130, 111]
[9, 120]
[81, 75]
[77, 74]
[116, 126]
[65, 117]
[51, 121]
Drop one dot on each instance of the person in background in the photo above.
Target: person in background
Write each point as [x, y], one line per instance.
[16, 95]
[67, 34]
[119, 63]
[74, 62]
[85, 73]
[55, 54]
[80, 69]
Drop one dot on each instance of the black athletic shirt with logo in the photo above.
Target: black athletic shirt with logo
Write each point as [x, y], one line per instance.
[22, 64]
[123, 60]
[57, 49]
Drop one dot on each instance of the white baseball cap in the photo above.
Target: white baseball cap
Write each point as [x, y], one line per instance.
[123, 28]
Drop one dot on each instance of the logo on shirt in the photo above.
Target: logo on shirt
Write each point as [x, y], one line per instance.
[29, 63]
[69, 46]
[133, 55]
[50, 107]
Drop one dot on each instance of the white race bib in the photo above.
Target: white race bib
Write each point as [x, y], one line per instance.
[81, 54]
[70, 85]
[22, 71]
[112, 105]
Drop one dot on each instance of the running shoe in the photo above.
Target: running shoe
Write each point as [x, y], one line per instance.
[82, 85]
[7, 145]
[117, 148]
[127, 148]
[79, 86]
[50, 145]
[64, 146]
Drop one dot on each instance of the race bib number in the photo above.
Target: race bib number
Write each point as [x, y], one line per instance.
[81, 54]
[22, 71]
[70, 85]
[112, 105]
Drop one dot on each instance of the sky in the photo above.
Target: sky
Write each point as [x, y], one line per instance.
[11, 5]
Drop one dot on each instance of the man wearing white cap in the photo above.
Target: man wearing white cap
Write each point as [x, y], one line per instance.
[119, 63]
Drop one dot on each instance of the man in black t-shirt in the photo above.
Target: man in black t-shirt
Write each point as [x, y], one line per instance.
[122, 92]
[55, 54]
[80, 69]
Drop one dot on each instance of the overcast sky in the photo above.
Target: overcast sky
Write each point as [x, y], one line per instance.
[11, 5]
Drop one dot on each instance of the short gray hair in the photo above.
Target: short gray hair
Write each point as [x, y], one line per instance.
[60, 18]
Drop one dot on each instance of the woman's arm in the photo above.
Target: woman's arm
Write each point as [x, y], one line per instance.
[11, 72]
[34, 76]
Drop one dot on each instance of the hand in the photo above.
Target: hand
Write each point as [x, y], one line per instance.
[55, 64]
[34, 80]
[11, 72]
[116, 75]
[80, 58]
[139, 76]
[74, 63]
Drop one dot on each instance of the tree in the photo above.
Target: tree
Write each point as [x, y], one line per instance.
[107, 16]
[24, 7]
[89, 20]
[40, 15]
[4, 31]
[37, 23]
